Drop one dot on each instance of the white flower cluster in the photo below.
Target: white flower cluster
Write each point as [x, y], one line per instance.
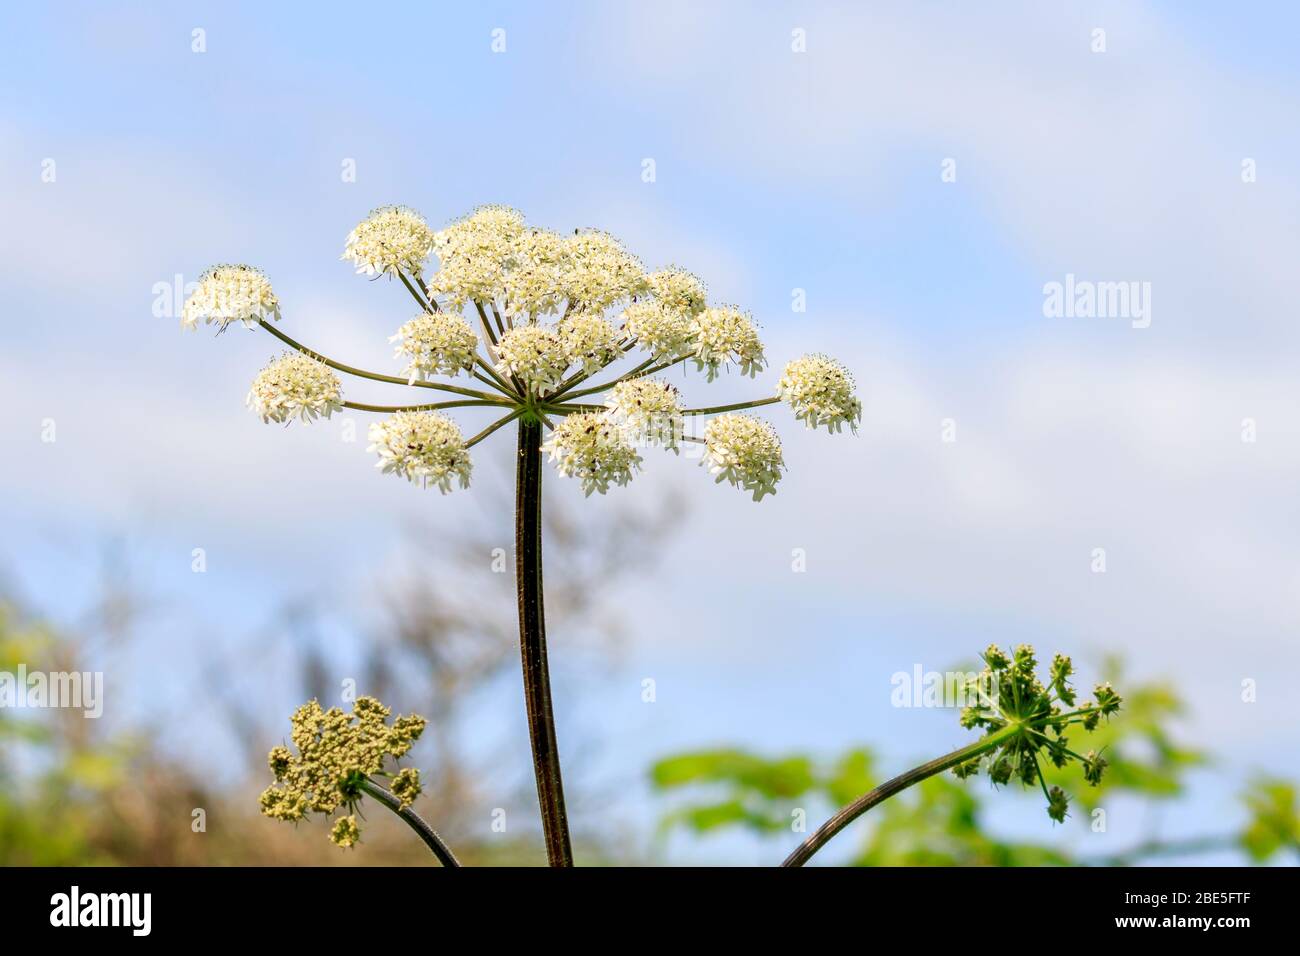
[534, 354]
[423, 447]
[677, 290]
[591, 447]
[726, 336]
[390, 239]
[589, 341]
[820, 390]
[648, 410]
[231, 293]
[475, 255]
[438, 344]
[295, 386]
[535, 285]
[598, 272]
[663, 332]
[744, 451]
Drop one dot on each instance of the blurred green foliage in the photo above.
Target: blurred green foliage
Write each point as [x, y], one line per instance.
[940, 822]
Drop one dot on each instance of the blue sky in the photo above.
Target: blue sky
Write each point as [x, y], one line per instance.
[775, 170]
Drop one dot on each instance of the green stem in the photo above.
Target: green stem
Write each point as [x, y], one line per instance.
[363, 407]
[823, 834]
[428, 305]
[494, 426]
[640, 371]
[716, 409]
[373, 376]
[412, 819]
[532, 643]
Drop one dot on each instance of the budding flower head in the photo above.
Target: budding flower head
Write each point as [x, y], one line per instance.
[391, 239]
[598, 272]
[475, 254]
[1026, 720]
[590, 446]
[231, 293]
[648, 410]
[438, 344]
[424, 447]
[295, 386]
[663, 332]
[406, 786]
[345, 833]
[337, 752]
[589, 341]
[677, 290]
[535, 354]
[820, 390]
[745, 451]
[726, 336]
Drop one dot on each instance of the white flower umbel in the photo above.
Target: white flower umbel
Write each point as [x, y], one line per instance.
[820, 390]
[534, 286]
[726, 336]
[295, 386]
[438, 344]
[590, 341]
[663, 332]
[598, 272]
[231, 293]
[745, 451]
[424, 447]
[475, 254]
[391, 239]
[590, 446]
[535, 354]
[648, 410]
[677, 290]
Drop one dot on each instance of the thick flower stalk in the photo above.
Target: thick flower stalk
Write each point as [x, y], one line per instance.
[1025, 720]
[531, 321]
[339, 756]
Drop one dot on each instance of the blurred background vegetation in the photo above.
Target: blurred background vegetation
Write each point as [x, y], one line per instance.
[83, 791]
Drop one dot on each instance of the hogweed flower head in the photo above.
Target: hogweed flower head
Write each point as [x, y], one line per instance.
[662, 331]
[535, 354]
[337, 752]
[424, 447]
[677, 290]
[475, 255]
[437, 344]
[1026, 720]
[589, 342]
[598, 272]
[591, 447]
[534, 285]
[745, 451]
[820, 390]
[406, 786]
[726, 336]
[390, 240]
[648, 410]
[295, 386]
[231, 293]
[531, 315]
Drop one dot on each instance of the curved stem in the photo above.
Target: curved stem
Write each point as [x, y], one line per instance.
[431, 406]
[645, 368]
[373, 376]
[428, 305]
[716, 409]
[493, 427]
[823, 834]
[532, 643]
[412, 819]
